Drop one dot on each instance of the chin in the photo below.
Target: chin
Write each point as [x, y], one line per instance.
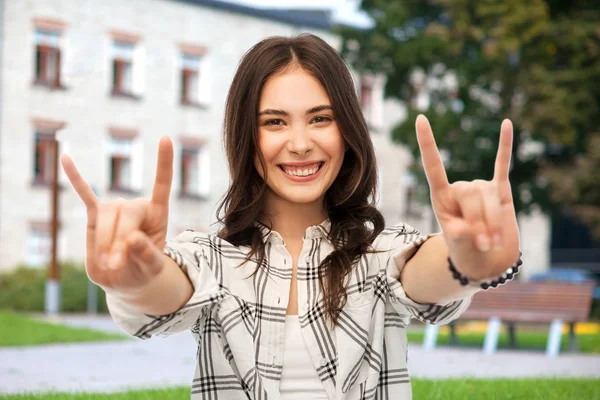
[301, 196]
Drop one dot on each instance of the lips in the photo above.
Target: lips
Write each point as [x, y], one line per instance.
[302, 170]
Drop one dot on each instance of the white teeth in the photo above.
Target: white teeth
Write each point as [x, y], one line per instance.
[301, 172]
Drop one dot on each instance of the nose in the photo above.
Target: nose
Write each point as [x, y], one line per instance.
[299, 141]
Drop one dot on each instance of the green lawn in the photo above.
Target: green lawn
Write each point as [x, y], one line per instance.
[530, 389]
[20, 330]
[588, 343]
[166, 394]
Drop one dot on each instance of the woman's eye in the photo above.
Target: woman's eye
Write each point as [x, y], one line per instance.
[321, 119]
[274, 122]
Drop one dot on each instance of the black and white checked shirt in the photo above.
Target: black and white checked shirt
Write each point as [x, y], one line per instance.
[239, 322]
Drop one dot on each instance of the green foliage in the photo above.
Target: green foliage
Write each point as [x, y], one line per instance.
[535, 62]
[23, 289]
[576, 185]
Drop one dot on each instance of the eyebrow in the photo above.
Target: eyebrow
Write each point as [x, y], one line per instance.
[313, 110]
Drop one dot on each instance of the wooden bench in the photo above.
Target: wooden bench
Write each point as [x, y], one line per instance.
[556, 303]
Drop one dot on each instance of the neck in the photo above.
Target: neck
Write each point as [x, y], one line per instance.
[292, 219]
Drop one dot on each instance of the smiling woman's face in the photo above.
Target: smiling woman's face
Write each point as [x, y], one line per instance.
[299, 139]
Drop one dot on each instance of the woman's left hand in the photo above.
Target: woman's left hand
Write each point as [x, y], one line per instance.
[477, 218]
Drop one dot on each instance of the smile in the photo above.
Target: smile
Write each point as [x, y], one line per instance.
[302, 171]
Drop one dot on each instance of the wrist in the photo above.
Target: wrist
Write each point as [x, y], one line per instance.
[486, 283]
[162, 294]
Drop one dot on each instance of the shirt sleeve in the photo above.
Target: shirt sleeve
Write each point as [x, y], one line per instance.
[186, 250]
[404, 241]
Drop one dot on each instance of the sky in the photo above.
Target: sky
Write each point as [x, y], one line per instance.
[346, 11]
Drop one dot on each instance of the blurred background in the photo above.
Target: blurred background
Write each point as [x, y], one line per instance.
[103, 80]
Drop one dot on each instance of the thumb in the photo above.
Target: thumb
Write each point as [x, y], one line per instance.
[143, 251]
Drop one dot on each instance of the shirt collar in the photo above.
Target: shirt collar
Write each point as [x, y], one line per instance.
[312, 232]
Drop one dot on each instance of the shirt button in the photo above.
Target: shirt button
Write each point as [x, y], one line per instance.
[323, 362]
[307, 259]
[278, 300]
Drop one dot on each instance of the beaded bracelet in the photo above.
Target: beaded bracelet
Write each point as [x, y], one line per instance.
[485, 285]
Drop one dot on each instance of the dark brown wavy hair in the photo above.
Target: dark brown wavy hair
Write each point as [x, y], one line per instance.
[349, 202]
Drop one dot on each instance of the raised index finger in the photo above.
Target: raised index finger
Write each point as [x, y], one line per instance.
[164, 172]
[432, 160]
[82, 188]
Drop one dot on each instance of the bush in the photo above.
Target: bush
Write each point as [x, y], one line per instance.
[23, 289]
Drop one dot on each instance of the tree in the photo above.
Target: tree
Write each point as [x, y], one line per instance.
[480, 61]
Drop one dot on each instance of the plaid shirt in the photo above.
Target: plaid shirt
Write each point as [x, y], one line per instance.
[239, 322]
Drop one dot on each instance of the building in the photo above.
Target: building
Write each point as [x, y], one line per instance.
[109, 79]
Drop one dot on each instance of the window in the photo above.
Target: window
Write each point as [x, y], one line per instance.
[371, 100]
[194, 168]
[190, 75]
[189, 171]
[366, 96]
[194, 75]
[411, 206]
[120, 163]
[44, 134]
[124, 152]
[43, 166]
[39, 245]
[47, 58]
[122, 68]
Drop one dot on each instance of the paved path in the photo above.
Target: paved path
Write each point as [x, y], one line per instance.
[160, 362]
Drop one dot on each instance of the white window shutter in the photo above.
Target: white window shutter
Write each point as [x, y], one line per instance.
[66, 63]
[205, 81]
[38, 246]
[62, 177]
[204, 173]
[139, 71]
[105, 175]
[137, 164]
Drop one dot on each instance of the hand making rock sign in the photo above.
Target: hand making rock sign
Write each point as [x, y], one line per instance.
[477, 218]
[125, 239]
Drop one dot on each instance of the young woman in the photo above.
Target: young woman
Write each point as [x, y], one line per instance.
[302, 294]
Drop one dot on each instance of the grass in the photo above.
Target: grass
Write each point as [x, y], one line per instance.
[530, 340]
[496, 389]
[18, 330]
[162, 394]
[448, 389]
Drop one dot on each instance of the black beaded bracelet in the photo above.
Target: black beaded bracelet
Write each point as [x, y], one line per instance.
[485, 285]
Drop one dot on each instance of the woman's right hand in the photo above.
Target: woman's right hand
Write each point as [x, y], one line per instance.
[125, 238]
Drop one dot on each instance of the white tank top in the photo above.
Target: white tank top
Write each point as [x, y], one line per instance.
[299, 379]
